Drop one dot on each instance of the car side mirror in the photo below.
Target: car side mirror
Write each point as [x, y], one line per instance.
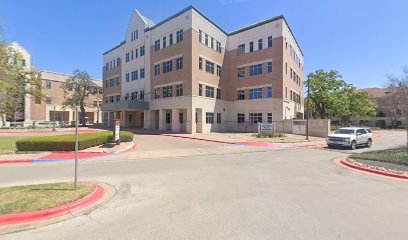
[358, 134]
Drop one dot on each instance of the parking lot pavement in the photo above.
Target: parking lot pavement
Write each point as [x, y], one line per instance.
[386, 139]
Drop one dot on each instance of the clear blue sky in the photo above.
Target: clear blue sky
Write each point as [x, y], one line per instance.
[364, 39]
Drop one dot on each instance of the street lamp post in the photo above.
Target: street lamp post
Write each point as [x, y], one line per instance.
[308, 110]
[76, 147]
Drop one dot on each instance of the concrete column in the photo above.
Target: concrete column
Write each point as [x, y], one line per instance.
[191, 126]
[123, 118]
[200, 120]
[108, 124]
[162, 119]
[147, 120]
[175, 123]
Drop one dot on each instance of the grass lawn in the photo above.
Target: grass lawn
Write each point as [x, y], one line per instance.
[396, 155]
[38, 197]
[8, 144]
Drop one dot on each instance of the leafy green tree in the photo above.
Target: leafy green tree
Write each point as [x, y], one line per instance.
[332, 96]
[15, 83]
[77, 89]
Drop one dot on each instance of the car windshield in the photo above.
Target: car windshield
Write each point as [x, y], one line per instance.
[344, 131]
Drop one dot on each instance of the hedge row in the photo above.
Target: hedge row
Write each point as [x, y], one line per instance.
[67, 142]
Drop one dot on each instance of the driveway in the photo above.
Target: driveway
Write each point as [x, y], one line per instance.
[251, 194]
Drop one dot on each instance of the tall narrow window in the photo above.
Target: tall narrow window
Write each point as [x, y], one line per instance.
[218, 70]
[241, 94]
[251, 46]
[171, 39]
[200, 63]
[206, 39]
[260, 44]
[200, 90]
[269, 41]
[218, 118]
[269, 92]
[200, 36]
[270, 67]
[179, 90]
[180, 35]
[212, 43]
[241, 49]
[179, 63]
[164, 42]
[218, 93]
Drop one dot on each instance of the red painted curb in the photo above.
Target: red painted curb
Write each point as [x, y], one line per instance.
[365, 169]
[16, 161]
[18, 218]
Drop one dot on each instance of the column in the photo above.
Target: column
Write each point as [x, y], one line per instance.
[175, 123]
[108, 123]
[147, 120]
[162, 119]
[123, 118]
[191, 126]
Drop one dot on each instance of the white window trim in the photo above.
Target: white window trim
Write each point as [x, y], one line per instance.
[254, 63]
[168, 84]
[257, 86]
[168, 59]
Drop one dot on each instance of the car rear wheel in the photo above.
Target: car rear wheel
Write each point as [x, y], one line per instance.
[369, 143]
[353, 145]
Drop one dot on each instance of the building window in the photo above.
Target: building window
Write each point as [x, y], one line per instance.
[241, 72]
[141, 96]
[106, 99]
[270, 67]
[218, 93]
[142, 73]
[48, 100]
[241, 94]
[240, 117]
[209, 67]
[212, 43]
[111, 99]
[255, 70]
[127, 77]
[255, 117]
[179, 35]
[251, 46]
[134, 75]
[209, 91]
[219, 118]
[127, 97]
[181, 118]
[200, 36]
[131, 55]
[156, 93]
[255, 93]
[179, 63]
[49, 84]
[111, 82]
[286, 68]
[200, 89]
[171, 39]
[209, 118]
[164, 42]
[167, 91]
[179, 90]
[117, 81]
[269, 92]
[127, 57]
[206, 39]
[100, 103]
[269, 117]
[157, 69]
[117, 61]
[157, 45]
[168, 118]
[168, 66]
[117, 98]
[260, 44]
[218, 70]
[241, 49]
[291, 73]
[219, 47]
[133, 96]
[269, 41]
[200, 63]
[136, 53]
[142, 50]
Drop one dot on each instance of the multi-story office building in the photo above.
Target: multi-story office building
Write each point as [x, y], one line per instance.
[51, 108]
[186, 74]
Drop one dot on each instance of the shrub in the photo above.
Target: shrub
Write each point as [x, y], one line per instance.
[269, 135]
[67, 142]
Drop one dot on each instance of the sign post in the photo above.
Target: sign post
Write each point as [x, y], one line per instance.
[116, 132]
[76, 146]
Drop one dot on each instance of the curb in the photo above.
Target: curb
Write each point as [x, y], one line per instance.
[345, 162]
[250, 144]
[44, 159]
[25, 217]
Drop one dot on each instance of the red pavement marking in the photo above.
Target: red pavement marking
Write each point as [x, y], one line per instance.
[345, 162]
[24, 217]
[71, 155]
[16, 161]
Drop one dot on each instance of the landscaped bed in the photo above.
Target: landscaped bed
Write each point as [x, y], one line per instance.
[396, 156]
[39, 197]
[67, 142]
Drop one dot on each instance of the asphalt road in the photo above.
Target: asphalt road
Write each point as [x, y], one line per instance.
[227, 193]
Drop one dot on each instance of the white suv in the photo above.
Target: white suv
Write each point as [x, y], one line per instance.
[350, 137]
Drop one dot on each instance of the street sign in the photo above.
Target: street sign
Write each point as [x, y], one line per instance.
[117, 131]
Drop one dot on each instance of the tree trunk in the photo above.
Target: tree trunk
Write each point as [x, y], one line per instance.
[82, 108]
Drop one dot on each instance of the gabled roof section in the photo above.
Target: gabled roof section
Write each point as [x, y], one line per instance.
[110, 50]
[148, 22]
[17, 44]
